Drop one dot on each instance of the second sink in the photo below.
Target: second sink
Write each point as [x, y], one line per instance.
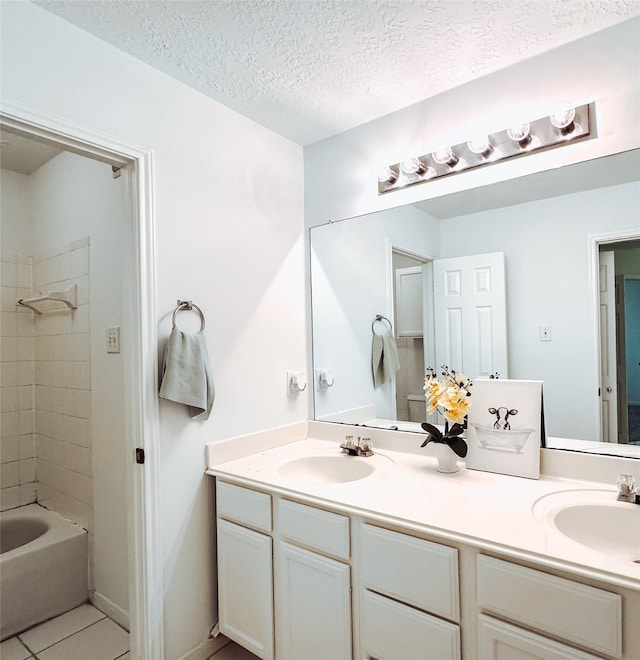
[594, 519]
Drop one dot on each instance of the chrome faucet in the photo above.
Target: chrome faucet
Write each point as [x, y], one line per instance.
[360, 448]
[627, 489]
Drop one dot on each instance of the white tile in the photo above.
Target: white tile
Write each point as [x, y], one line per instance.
[9, 374]
[9, 447]
[104, 640]
[10, 398]
[27, 493]
[12, 649]
[23, 274]
[9, 324]
[27, 470]
[9, 498]
[63, 626]
[9, 273]
[8, 349]
[77, 458]
[10, 474]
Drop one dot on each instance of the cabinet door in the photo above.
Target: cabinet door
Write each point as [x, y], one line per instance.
[501, 641]
[313, 606]
[245, 588]
[393, 631]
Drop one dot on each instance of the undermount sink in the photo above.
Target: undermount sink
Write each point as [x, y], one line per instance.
[331, 469]
[594, 519]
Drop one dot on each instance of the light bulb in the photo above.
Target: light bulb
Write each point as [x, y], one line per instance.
[520, 133]
[413, 166]
[445, 156]
[562, 119]
[387, 175]
[480, 145]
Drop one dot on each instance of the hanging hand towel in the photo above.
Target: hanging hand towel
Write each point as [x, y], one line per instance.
[384, 358]
[186, 376]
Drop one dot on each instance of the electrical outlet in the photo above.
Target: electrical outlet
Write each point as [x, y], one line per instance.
[113, 340]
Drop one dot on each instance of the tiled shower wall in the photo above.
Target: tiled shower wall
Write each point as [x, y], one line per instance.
[17, 422]
[60, 390]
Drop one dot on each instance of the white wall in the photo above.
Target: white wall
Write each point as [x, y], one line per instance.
[229, 225]
[340, 172]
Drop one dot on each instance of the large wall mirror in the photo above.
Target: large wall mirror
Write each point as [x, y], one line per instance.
[564, 241]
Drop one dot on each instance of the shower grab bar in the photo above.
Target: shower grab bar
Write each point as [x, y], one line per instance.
[69, 297]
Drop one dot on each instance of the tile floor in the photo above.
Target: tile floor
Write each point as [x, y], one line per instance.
[82, 634]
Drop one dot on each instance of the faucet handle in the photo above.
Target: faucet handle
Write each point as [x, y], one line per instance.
[626, 487]
[348, 446]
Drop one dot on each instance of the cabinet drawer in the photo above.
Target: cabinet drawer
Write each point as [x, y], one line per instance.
[393, 631]
[500, 641]
[415, 571]
[314, 528]
[576, 612]
[243, 505]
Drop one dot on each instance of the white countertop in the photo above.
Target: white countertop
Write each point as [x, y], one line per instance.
[485, 510]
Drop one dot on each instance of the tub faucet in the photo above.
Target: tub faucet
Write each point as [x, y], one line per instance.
[627, 489]
[360, 448]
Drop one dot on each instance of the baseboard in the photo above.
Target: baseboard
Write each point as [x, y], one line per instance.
[207, 648]
[108, 607]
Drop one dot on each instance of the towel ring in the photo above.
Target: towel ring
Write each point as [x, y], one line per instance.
[379, 317]
[185, 306]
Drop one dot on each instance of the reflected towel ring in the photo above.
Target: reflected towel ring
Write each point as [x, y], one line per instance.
[184, 306]
[379, 317]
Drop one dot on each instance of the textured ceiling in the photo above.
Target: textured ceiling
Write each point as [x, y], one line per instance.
[23, 155]
[309, 69]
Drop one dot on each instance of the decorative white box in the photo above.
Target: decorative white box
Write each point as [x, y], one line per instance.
[505, 427]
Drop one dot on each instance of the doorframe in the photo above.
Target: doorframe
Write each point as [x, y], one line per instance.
[141, 378]
[594, 241]
[392, 246]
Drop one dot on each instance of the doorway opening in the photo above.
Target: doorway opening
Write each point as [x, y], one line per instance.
[619, 338]
[413, 329]
[140, 373]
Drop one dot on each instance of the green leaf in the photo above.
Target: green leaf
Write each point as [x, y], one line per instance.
[459, 446]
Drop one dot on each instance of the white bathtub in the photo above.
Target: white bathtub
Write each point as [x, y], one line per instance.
[43, 567]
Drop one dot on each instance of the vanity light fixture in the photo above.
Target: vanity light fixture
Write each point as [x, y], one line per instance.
[387, 175]
[445, 156]
[563, 120]
[413, 166]
[554, 130]
[480, 145]
[521, 133]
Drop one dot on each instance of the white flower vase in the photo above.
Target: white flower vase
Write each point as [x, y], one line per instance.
[447, 458]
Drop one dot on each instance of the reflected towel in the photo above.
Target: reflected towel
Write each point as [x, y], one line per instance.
[384, 358]
[186, 376]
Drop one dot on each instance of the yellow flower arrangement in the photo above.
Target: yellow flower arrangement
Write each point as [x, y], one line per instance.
[450, 396]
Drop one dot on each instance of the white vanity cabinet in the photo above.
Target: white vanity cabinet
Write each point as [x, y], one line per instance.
[313, 584]
[245, 574]
[409, 597]
[539, 606]
[297, 560]
[300, 582]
